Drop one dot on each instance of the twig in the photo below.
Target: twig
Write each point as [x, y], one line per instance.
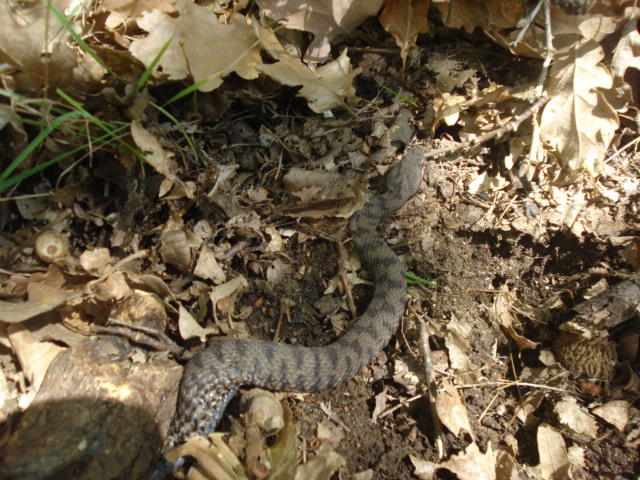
[343, 257]
[431, 387]
[512, 126]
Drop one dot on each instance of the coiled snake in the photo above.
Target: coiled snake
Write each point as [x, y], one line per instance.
[212, 377]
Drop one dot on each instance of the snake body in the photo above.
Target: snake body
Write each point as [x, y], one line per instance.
[212, 377]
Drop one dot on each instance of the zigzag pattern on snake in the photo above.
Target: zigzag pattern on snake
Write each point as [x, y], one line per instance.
[212, 377]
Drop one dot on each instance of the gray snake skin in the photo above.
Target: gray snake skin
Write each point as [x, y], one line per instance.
[212, 377]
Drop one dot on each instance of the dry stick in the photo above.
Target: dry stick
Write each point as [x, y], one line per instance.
[431, 386]
[343, 258]
[526, 23]
[542, 78]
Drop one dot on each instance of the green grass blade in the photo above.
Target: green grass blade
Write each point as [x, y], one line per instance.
[81, 43]
[109, 137]
[396, 94]
[35, 142]
[147, 73]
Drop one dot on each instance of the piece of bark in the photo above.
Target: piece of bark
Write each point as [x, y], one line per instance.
[607, 309]
[95, 416]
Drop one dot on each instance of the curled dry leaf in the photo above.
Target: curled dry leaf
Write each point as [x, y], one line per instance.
[223, 297]
[325, 89]
[159, 158]
[190, 328]
[405, 19]
[327, 20]
[505, 308]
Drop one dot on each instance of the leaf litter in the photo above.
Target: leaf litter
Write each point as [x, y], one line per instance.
[249, 178]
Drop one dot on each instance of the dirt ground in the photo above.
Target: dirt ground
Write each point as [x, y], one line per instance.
[468, 245]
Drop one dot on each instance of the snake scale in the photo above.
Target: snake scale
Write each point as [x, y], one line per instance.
[212, 377]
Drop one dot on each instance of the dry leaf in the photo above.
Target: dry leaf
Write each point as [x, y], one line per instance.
[200, 46]
[472, 464]
[578, 123]
[223, 296]
[505, 307]
[96, 260]
[554, 461]
[35, 45]
[328, 20]
[324, 89]
[207, 267]
[451, 410]
[405, 19]
[322, 466]
[175, 249]
[575, 418]
[214, 460]
[34, 357]
[330, 432]
[126, 10]
[44, 293]
[615, 412]
[190, 328]
[322, 194]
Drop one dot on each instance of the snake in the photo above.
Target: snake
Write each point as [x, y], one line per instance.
[213, 376]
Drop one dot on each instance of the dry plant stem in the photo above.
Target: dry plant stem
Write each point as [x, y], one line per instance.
[512, 126]
[285, 309]
[343, 257]
[236, 248]
[548, 57]
[431, 386]
[527, 22]
[143, 336]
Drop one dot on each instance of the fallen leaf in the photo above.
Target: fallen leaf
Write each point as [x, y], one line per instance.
[405, 19]
[472, 464]
[322, 466]
[200, 46]
[575, 417]
[207, 267]
[615, 412]
[451, 409]
[322, 194]
[324, 89]
[330, 432]
[34, 357]
[223, 296]
[578, 122]
[190, 328]
[552, 450]
[327, 20]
